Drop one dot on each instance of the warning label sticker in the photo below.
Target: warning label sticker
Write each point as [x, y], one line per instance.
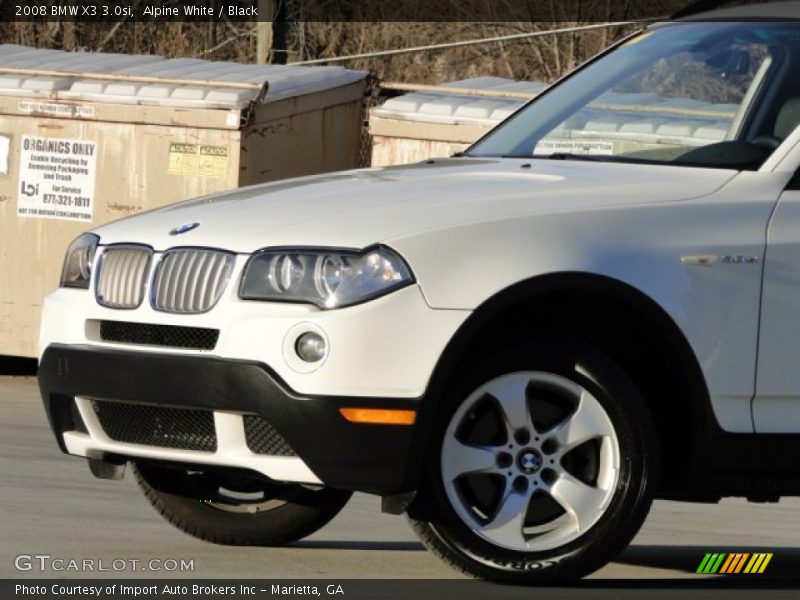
[56, 178]
[586, 147]
[182, 159]
[198, 159]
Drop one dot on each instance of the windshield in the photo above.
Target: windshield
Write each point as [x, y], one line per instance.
[721, 95]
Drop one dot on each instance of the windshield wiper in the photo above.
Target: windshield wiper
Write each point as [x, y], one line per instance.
[570, 156]
[618, 158]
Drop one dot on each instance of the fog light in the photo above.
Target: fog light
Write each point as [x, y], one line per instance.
[311, 347]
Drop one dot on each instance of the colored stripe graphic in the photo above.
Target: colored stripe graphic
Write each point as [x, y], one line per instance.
[729, 562]
[736, 562]
[765, 563]
[718, 562]
[703, 563]
[741, 562]
[758, 563]
[711, 563]
[752, 562]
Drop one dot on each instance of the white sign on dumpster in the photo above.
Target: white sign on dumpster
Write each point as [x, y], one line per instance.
[56, 178]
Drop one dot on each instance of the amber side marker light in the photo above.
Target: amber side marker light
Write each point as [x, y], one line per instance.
[379, 416]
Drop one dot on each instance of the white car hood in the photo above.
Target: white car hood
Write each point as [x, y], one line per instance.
[355, 209]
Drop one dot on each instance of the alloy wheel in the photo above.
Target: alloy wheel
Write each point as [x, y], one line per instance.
[530, 461]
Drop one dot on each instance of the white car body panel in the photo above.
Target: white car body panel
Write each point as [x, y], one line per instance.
[716, 307]
[358, 208]
[775, 409]
[505, 222]
[541, 315]
[372, 349]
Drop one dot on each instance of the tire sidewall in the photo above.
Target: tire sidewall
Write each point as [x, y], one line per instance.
[629, 503]
[303, 514]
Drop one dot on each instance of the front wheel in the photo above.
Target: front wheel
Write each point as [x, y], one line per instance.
[543, 471]
[237, 508]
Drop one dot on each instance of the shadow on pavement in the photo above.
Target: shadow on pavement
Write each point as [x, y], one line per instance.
[358, 545]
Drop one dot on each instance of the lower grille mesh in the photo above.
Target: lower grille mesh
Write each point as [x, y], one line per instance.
[185, 429]
[262, 438]
[197, 338]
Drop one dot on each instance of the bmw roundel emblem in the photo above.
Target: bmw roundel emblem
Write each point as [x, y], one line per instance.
[184, 228]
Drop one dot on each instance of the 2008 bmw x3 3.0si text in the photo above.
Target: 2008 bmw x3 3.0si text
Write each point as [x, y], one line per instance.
[521, 346]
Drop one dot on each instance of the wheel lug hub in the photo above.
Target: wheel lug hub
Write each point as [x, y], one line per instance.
[549, 446]
[504, 460]
[529, 461]
[549, 476]
[520, 483]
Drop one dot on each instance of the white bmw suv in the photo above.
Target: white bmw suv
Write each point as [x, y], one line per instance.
[596, 305]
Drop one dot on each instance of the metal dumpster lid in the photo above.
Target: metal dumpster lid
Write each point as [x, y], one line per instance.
[155, 80]
[454, 107]
[632, 116]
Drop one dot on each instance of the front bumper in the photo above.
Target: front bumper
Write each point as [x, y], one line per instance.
[329, 449]
[387, 347]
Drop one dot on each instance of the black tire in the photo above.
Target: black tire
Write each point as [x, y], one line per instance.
[193, 502]
[443, 532]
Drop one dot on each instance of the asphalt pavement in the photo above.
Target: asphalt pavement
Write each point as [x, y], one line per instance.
[51, 505]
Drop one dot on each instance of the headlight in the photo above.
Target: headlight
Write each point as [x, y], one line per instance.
[77, 271]
[329, 279]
